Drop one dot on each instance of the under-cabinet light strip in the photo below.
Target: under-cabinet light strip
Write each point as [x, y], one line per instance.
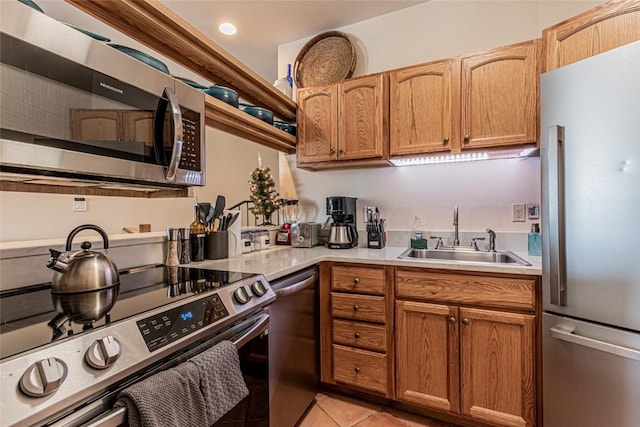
[465, 157]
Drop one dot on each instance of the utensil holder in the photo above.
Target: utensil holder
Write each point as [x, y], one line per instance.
[217, 245]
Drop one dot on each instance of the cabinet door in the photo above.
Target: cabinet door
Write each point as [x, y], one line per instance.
[427, 355]
[500, 96]
[497, 376]
[138, 126]
[96, 125]
[425, 108]
[317, 124]
[362, 116]
[595, 31]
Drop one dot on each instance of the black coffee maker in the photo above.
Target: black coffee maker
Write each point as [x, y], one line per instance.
[343, 233]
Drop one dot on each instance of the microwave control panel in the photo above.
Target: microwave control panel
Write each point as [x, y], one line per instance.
[191, 143]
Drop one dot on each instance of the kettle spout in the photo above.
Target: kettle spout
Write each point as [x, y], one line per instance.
[54, 262]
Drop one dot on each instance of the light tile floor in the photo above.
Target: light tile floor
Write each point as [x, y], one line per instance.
[333, 410]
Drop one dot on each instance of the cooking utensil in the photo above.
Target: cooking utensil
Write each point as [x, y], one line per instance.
[288, 127]
[219, 207]
[84, 286]
[258, 112]
[190, 82]
[224, 94]
[142, 57]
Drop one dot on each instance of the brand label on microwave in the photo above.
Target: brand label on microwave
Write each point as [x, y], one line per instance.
[114, 89]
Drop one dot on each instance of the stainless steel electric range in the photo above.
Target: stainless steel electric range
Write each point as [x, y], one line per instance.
[58, 373]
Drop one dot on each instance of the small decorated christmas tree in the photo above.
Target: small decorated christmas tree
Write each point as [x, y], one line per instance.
[263, 193]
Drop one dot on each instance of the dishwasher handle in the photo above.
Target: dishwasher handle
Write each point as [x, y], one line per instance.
[296, 287]
[573, 338]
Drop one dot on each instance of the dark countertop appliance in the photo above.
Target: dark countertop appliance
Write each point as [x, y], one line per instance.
[55, 372]
[343, 233]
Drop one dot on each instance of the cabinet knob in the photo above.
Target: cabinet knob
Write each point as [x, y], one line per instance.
[356, 335]
[356, 280]
[355, 307]
[445, 141]
[357, 370]
[466, 138]
[465, 321]
[332, 151]
[452, 319]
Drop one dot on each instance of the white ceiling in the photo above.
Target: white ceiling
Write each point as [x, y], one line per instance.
[263, 25]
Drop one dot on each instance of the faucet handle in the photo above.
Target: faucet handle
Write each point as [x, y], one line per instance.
[492, 240]
[439, 243]
[474, 243]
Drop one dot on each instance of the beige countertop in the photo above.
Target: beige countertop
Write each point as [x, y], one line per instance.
[279, 261]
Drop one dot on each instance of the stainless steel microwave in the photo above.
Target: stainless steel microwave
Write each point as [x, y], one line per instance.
[74, 107]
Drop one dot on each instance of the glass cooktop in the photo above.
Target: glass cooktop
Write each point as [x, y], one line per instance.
[28, 318]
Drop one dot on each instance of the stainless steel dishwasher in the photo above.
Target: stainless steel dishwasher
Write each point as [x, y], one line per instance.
[294, 368]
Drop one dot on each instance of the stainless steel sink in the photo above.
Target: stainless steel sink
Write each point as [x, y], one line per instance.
[498, 257]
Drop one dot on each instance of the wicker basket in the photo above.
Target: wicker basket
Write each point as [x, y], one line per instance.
[327, 58]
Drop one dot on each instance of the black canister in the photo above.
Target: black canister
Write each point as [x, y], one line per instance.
[198, 243]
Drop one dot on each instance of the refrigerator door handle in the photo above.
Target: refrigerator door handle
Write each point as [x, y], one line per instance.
[618, 350]
[556, 226]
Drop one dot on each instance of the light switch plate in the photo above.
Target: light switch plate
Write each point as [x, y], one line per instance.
[518, 212]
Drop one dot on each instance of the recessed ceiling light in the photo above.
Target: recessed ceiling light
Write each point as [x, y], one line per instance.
[227, 28]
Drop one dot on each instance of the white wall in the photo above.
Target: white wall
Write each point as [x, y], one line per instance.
[484, 191]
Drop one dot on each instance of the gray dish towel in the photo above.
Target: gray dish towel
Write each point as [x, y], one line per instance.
[168, 398]
[221, 380]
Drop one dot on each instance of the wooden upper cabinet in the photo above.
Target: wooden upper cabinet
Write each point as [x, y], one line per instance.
[317, 124]
[362, 118]
[500, 96]
[595, 31]
[424, 107]
[344, 121]
[497, 373]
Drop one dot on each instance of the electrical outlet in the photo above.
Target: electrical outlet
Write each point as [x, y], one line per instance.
[79, 204]
[518, 212]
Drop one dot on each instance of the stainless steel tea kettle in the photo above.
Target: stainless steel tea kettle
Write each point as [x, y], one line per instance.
[85, 286]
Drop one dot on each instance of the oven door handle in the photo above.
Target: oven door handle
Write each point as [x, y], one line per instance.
[258, 328]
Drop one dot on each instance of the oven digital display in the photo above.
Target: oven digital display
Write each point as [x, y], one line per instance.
[171, 325]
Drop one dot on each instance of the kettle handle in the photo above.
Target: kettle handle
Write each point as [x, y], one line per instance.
[78, 229]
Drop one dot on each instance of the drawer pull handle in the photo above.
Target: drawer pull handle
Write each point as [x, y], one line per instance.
[452, 319]
[465, 321]
[356, 335]
[356, 280]
[357, 370]
[355, 307]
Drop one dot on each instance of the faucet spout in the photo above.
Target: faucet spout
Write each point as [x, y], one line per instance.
[456, 238]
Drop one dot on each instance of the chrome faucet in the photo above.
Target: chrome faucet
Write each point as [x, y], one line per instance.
[492, 240]
[456, 239]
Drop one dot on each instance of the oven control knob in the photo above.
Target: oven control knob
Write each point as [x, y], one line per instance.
[103, 352]
[241, 295]
[43, 377]
[258, 289]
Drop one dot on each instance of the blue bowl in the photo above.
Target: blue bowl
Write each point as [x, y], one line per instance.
[224, 94]
[142, 57]
[258, 112]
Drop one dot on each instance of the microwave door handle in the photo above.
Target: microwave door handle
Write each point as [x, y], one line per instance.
[556, 226]
[176, 116]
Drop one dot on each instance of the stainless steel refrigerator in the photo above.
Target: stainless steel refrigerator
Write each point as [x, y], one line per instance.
[590, 154]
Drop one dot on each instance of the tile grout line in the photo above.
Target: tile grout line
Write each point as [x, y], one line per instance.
[327, 414]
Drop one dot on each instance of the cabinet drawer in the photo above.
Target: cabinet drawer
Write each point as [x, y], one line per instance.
[358, 279]
[505, 292]
[358, 307]
[360, 368]
[361, 335]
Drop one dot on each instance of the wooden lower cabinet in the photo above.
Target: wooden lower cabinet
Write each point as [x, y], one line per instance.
[360, 368]
[473, 362]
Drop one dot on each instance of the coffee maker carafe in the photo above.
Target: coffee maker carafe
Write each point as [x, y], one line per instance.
[343, 233]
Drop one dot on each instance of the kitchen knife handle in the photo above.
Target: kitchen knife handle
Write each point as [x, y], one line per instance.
[555, 225]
